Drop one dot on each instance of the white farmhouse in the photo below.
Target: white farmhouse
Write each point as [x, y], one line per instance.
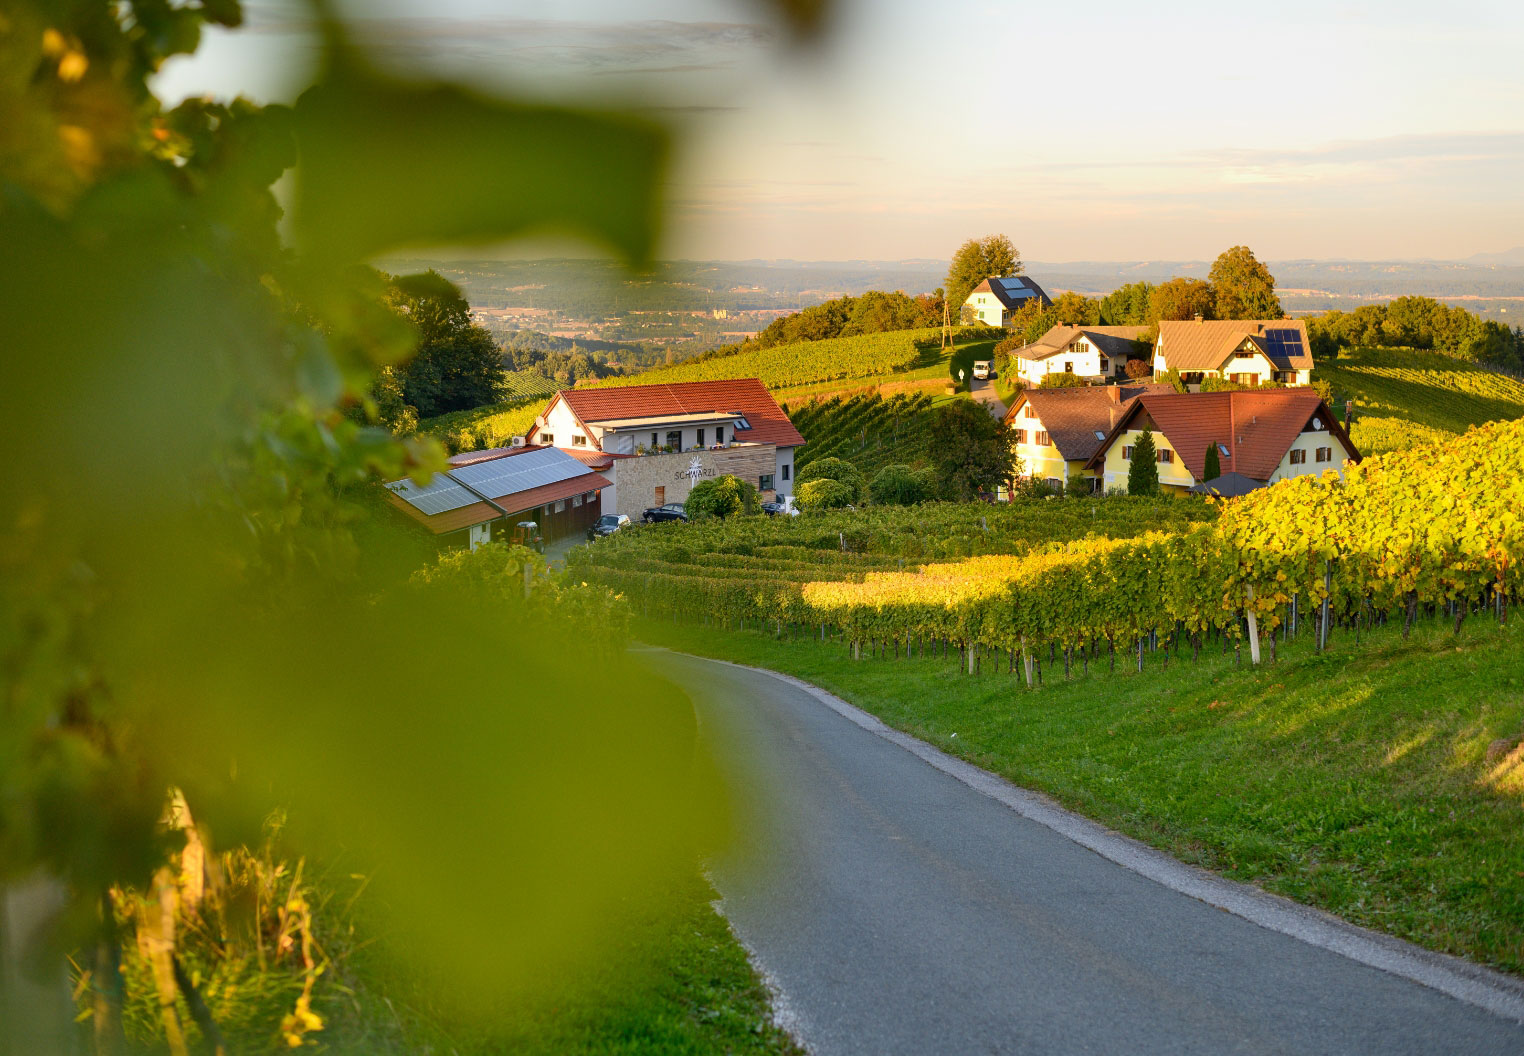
[995, 300]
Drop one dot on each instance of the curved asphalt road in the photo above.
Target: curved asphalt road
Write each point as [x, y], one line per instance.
[898, 910]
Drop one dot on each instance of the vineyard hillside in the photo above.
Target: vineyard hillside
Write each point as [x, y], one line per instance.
[1404, 397]
[494, 425]
[806, 362]
[869, 431]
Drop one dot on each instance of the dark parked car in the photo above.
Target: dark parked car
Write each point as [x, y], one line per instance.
[608, 524]
[772, 509]
[672, 511]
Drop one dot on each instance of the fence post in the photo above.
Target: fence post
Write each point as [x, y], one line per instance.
[1253, 618]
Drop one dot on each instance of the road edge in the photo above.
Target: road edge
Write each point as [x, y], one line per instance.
[1469, 983]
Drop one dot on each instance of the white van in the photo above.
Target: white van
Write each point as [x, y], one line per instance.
[983, 368]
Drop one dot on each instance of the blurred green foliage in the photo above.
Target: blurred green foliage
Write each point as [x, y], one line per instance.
[181, 598]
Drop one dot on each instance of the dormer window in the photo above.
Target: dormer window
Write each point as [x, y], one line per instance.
[742, 424]
[1100, 435]
[1223, 448]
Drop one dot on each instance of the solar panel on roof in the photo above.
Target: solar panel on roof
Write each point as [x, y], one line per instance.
[533, 469]
[440, 495]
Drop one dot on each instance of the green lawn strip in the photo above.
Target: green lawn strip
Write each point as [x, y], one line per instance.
[1355, 781]
[678, 982]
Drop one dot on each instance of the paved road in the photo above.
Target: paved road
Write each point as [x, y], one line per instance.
[984, 392]
[899, 910]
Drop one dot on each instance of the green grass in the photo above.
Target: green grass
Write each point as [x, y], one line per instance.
[1404, 398]
[684, 986]
[1356, 781]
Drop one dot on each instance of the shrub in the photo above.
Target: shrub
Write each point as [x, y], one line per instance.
[1061, 380]
[1138, 369]
[898, 485]
[722, 497]
[1172, 377]
[823, 494]
[837, 469]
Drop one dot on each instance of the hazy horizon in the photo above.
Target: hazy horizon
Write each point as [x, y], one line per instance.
[1102, 132]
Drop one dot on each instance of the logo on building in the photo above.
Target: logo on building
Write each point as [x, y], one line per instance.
[695, 470]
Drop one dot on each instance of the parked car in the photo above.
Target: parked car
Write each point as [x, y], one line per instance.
[772, 509]
[672, 511]
[984, 368]
[608, 524]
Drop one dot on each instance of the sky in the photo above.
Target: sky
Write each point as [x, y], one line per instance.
[1085, 131]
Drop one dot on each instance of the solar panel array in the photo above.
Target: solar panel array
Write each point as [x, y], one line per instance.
[1283, 344]
[495, 479]
[533, 469]
[440, 495]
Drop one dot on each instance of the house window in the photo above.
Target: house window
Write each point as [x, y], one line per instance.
[1028, 412]
[1243, 379]
[675, 440]
[786, 468]
[1298, 457]
[1055, 485]
[1193, 377]
[701, 438]
[661, 497]
[545, 510]
[1164, 454]
[1105, 364]
[765, 482]
[742, 423]
[1042, 438]
[719, 435]
[589, 496]
[1068, 367]
[576, 501]
[1127, 453]
[560, 505]
[548, 439]
[1021, 436]
[579, 440]
[655, 442]
[1325, 454]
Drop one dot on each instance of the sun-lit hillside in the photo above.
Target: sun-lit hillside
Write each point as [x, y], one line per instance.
[1403, 397]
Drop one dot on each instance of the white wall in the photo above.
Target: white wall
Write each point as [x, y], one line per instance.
[785, 464]
[1081, 355]
[1309, 443]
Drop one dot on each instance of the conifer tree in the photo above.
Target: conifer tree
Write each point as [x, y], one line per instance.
[1143, 472]
[1213, 464]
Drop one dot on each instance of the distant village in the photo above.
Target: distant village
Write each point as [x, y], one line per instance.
[635, 452]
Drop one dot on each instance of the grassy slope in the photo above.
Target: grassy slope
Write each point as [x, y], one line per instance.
[692, 991]
[1404, 397]
[1356, 781]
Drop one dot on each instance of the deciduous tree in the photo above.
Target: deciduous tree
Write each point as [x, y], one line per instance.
[978, 259]
[1243, 286]
[971, 450]
[1181, 298]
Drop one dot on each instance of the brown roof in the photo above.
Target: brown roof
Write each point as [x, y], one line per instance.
[769, 425]
[449, 521]
[1257, 427]
[1112, 340]
[1206, 345]
[1072, 417]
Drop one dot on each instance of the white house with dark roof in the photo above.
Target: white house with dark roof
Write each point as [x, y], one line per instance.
[996, 299]
[1095, 353]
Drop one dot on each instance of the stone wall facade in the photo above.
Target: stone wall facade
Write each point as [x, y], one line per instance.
[651, 480]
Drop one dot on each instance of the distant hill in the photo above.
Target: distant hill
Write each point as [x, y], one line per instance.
[1513, 258]
[1404, 398]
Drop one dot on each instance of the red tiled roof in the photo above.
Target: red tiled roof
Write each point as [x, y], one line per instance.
[769, 425]
[591, 456]
[1257, 427]
[1072, 417]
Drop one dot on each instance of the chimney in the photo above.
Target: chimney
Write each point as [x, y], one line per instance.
[1259, 328]
[1199, 317]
